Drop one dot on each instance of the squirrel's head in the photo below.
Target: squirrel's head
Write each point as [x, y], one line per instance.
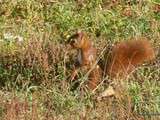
[77, 40]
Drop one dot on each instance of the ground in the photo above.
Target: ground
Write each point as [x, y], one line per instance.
[35, 62]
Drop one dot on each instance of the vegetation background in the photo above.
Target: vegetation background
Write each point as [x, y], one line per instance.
[35, 63]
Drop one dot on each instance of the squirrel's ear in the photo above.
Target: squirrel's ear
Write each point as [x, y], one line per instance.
[80, 34]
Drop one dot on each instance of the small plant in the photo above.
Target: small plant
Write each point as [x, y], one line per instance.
[35, 63]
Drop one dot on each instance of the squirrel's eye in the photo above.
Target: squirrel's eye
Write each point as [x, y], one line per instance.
[72, 42]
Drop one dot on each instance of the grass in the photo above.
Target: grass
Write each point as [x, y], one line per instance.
[35, 63]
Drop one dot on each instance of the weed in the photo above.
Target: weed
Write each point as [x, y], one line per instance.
[35, 64]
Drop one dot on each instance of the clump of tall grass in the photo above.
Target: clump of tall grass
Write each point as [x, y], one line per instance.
[35, 64]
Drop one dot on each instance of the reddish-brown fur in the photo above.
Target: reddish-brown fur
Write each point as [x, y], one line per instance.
[87, 56]
[127, 55]
[95, 77]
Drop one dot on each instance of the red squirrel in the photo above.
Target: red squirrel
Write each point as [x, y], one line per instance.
[86, 58]
[124, 57]
[127, 55]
